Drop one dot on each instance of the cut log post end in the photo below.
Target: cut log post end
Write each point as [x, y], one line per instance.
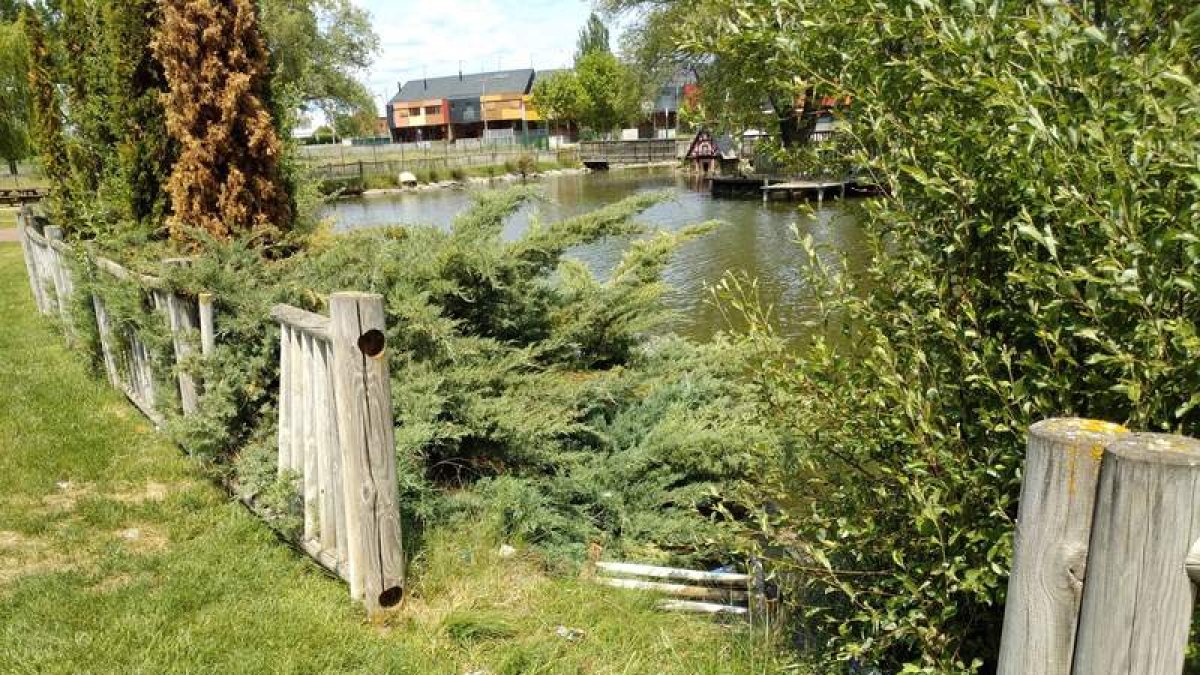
[1045, 587]
[1138, 603]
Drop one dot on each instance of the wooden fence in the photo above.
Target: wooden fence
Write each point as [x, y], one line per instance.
[1107, 552]
[646, 151]
[335, 432]
[335, 410]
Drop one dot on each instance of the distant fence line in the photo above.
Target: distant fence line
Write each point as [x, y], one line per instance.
[392, 167]
[335, 427]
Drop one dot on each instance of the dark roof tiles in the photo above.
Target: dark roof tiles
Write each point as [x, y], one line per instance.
[470, 85]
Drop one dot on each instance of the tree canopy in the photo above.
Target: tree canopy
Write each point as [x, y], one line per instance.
[592, 38]
[226, 180]
[15, 141]
[319, 51]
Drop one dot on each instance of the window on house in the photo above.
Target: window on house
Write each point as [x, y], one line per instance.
[433, 110]
[414, 112]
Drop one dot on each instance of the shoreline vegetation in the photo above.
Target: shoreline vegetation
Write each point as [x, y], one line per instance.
[101, 511]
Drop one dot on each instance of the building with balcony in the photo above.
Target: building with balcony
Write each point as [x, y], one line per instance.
[463, 106]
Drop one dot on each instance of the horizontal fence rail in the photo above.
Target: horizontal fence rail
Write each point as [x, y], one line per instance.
[695, 591]
[335, 411]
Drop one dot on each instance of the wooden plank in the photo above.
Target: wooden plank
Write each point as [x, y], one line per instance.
[120, 272]
[326, 440]
[24, 230]
[283, 460]
[180, 320]
[337, 480]
[105, 337]
[1138, 601]
[58, 273]
[1054, 520]
[362, 391]
[678, 590]
[634, 569]
[312, 502]
[299, 411]
[208, 337]
[701, 607]
[301, 320]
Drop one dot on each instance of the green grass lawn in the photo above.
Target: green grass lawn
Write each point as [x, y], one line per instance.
[8, 217]
[117, 555]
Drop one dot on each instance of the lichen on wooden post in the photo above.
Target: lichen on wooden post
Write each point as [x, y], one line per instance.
[1053, 525]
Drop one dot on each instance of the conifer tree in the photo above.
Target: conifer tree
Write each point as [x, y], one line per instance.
[226, 179]
[144, 152]
[47, 109]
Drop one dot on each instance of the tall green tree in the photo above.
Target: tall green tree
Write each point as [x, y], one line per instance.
[319, 51]
[1037, 257]
[611, 91]
[15, 142]
[740, 81]
[46, 108]
[560, 98]
[144, 151]
[592, 38]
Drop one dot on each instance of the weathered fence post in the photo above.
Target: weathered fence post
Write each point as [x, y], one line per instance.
[24, 225]
[60, 277]
[208, 338]
[364, 424]
[1137, 607]
[180, 320]
[1053, 525]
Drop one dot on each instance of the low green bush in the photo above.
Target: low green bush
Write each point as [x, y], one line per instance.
[526, 392]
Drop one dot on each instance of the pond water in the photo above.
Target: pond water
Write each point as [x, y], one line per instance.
[756, 239]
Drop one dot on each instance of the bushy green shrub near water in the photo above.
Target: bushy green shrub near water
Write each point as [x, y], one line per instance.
[527, 392]
[1039, 257]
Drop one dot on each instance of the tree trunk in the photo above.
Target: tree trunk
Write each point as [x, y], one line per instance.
[796, 125]
[12, 166]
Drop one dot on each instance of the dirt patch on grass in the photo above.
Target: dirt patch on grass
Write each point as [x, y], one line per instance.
[21, 555]
[152, 491]
[143, 538]
[112, 583]
[67, 495]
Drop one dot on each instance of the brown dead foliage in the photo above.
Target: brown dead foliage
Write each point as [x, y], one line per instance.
[226, 180]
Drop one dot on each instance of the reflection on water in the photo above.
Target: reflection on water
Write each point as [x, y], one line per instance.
[756, 239]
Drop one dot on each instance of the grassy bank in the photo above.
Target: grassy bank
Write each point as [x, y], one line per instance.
[437, 174]
[8, 217]
[118, 555]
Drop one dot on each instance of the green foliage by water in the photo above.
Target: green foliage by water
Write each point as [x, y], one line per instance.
[527, 392]
[1039, 256]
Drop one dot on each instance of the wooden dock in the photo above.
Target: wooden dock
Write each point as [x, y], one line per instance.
[19, 196]
[767, 188]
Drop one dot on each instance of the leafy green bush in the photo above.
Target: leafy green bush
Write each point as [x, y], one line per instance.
[381, 181]
[458, 173]
[1039, 256]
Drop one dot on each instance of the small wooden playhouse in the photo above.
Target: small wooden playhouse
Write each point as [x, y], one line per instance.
[711, 154]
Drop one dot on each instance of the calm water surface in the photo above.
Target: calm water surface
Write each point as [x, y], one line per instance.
[756, 239]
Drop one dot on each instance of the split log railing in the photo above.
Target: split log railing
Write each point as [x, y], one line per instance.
[335, 432]
[1107, 552]
[335, 409]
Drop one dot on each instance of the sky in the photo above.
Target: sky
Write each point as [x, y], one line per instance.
[431, 37]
